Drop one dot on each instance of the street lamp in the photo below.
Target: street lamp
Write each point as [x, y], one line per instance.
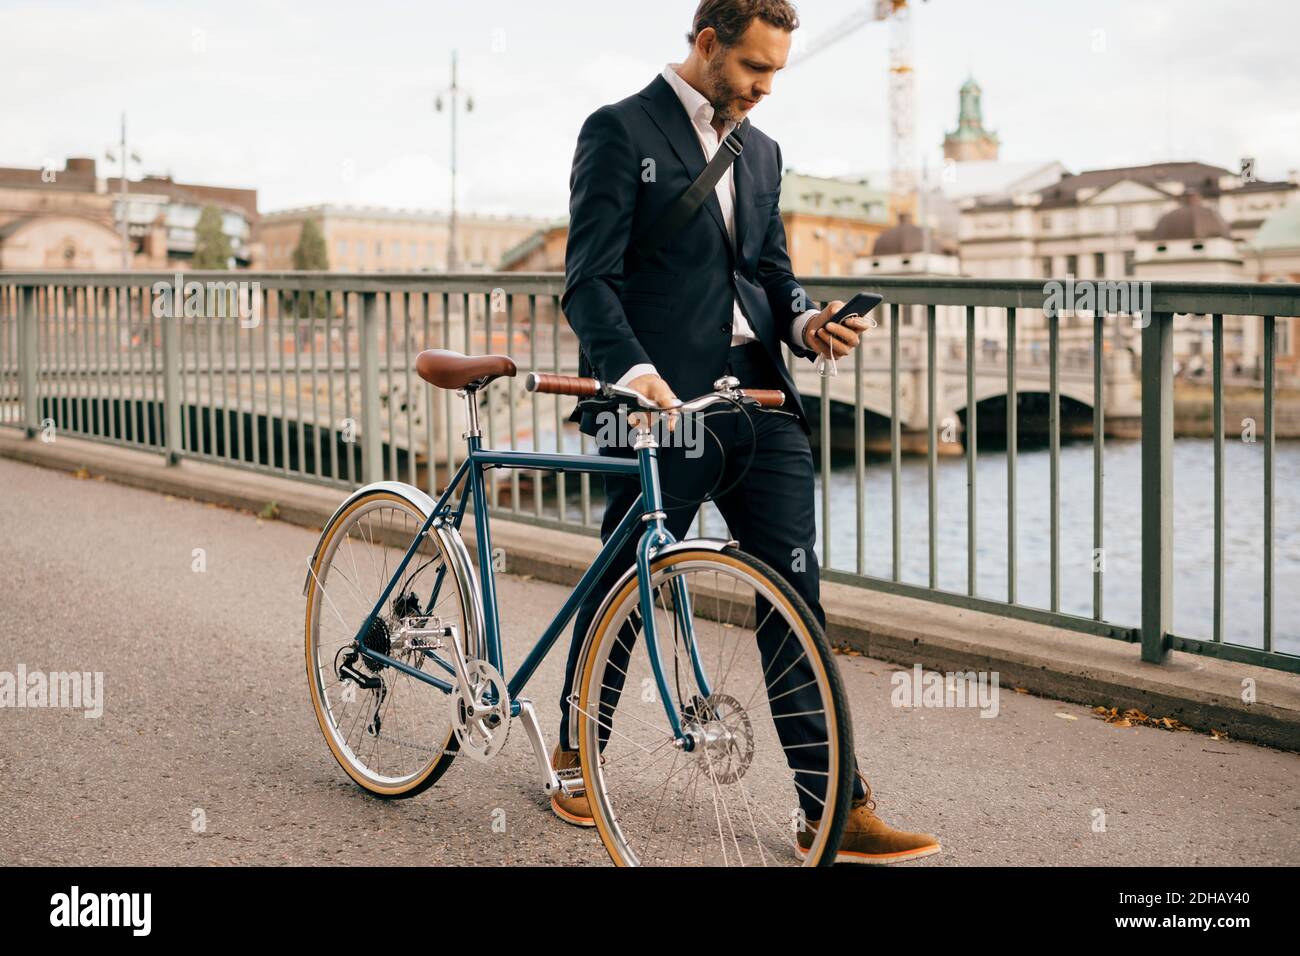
[134, 157]
[453, 92]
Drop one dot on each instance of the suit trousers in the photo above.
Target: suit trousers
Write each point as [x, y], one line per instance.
[770, 513]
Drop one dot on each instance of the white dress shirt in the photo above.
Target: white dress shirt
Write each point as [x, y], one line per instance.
[700, 112]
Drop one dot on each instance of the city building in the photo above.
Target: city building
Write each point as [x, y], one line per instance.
[1088, 224]
[970, 140]
[71, 218]
[375, 239]
[1193, 243]
[1274, 256]
[543, 251]
[971, 170]
[908, 250]
[829, 225]
[961, 183]
[1190, 242]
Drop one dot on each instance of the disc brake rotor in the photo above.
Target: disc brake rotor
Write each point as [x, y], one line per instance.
[482, 712]
[725, 736]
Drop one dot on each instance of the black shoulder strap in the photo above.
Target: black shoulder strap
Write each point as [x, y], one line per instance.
[680, 212]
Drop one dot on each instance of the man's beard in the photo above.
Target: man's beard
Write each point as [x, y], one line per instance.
[722, 95]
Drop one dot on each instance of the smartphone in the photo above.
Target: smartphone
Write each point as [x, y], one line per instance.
[860, 304]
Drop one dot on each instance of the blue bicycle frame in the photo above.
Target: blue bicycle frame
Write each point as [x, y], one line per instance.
[647, 510]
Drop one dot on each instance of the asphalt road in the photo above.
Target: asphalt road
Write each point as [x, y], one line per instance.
[206, 720]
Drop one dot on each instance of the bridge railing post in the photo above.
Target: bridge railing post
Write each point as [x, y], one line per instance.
[372, 449]
[1157, 484]
[28, 357]
[171, 370]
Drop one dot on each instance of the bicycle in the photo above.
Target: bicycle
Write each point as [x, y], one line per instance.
[401, 684]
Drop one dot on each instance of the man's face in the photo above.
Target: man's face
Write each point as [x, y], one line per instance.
[739, 77]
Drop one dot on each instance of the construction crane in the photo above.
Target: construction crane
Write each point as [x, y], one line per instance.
[902, 89]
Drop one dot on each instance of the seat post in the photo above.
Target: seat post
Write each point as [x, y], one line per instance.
[471, 411]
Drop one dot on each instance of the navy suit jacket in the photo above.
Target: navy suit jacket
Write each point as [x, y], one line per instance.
[673, 308]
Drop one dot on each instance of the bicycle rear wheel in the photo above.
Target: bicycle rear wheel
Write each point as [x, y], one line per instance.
[394, 737]
[743, 792]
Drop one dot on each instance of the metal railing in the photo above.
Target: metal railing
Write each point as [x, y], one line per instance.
[310, 376]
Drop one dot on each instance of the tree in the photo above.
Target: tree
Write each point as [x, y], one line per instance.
[310, 254]
[211, 244]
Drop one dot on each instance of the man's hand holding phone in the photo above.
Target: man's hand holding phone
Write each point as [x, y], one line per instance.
[833, 335]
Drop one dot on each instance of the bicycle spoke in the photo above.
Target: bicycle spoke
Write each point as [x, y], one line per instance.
[720, 795]
[728, 797]
[390, 741]
[608, 727]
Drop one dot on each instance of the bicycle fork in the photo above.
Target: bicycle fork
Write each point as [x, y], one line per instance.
[656, 537]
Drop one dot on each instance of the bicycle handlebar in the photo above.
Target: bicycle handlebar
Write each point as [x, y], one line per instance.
[550, 384]
[767, 397]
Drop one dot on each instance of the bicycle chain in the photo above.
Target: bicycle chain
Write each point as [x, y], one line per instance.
[411, 745]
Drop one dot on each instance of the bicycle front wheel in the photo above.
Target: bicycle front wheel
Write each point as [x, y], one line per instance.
[750, 672]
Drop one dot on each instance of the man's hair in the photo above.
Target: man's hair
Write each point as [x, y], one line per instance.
[731, 18]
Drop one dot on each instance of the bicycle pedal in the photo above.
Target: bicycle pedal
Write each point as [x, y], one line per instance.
[572, 786]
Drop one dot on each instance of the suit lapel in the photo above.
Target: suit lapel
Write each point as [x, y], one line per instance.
[666, 112]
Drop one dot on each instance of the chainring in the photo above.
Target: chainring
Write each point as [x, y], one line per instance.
[482, 727]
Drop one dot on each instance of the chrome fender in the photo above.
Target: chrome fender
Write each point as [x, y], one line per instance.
[449, 540]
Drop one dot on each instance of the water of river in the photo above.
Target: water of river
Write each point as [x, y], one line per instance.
[1193, 510]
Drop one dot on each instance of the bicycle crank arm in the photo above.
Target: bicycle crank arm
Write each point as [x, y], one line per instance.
[458, 659]
[551, 783]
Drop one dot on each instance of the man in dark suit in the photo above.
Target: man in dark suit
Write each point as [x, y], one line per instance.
[716, 297]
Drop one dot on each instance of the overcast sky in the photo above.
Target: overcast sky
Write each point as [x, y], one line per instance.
[333, 101]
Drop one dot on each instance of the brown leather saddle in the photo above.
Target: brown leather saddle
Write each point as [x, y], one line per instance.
[448, 369]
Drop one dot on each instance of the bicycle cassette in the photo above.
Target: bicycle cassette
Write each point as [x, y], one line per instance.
[482, 712]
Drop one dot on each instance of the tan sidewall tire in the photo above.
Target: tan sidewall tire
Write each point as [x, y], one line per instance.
[838, 715]
[436, 767]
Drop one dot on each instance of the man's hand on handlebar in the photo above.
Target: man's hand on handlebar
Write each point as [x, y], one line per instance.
[656, 390]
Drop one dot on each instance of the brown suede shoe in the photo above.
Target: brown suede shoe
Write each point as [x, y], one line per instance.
[869, 839]
[573, 809]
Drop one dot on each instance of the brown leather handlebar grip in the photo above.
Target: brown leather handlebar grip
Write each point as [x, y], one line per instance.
[767, 397]
[561, 384]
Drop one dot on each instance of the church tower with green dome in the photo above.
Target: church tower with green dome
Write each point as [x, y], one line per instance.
[970, 140]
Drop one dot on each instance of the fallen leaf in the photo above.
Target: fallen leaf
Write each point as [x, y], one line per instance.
[1066, 716]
